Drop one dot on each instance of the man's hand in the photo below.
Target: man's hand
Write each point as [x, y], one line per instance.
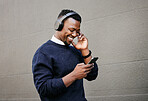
[81, 70]
[82, 43]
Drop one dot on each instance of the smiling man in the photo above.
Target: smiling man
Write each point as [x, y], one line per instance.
[58, 67]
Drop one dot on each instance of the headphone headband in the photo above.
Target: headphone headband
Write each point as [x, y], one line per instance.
[58, 24]
[65, 16]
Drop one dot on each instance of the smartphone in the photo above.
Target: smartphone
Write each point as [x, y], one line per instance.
[93, 60]
[76, 39]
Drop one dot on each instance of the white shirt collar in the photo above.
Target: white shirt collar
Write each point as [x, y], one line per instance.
[56, 40]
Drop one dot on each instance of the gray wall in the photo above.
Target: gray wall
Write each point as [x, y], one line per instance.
[117, 31]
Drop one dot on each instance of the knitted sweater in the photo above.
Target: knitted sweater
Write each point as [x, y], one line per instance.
[50, 63]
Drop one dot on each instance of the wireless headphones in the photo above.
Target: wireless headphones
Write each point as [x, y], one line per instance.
[59, 23]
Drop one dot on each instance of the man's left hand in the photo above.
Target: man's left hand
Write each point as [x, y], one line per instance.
[82, 43]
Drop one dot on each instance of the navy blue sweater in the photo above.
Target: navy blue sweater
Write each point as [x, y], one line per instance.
[50, 63]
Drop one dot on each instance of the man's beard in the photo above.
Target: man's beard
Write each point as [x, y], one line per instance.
[66, 44]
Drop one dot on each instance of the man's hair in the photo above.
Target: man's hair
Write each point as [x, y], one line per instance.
[75, 16]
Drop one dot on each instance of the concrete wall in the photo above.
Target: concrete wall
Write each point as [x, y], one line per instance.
[117, 31]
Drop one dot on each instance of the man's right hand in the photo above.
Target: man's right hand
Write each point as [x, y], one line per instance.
[81, 70]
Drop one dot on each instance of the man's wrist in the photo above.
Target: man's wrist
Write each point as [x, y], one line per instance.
[73, 75]
[69, 79]
[86, 53]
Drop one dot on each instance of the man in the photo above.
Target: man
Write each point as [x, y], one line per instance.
[58, 67]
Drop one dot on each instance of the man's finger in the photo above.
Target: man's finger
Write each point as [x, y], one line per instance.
[73, 44]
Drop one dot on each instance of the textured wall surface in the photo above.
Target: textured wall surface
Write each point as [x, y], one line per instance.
[117, 31]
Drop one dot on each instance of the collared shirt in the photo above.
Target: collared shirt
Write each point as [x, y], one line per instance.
[56, 40]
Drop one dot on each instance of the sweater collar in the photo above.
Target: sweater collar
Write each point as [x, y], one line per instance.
[56, 40]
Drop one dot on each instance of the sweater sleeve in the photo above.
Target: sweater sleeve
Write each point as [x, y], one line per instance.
[93, 74]
[44, 80]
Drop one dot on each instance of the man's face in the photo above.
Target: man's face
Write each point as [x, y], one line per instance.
[70, 30]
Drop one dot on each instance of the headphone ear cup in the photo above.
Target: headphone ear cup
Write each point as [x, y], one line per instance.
[60, 27]
[59, 23]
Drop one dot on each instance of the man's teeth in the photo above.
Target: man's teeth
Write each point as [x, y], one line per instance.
[70, 38]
